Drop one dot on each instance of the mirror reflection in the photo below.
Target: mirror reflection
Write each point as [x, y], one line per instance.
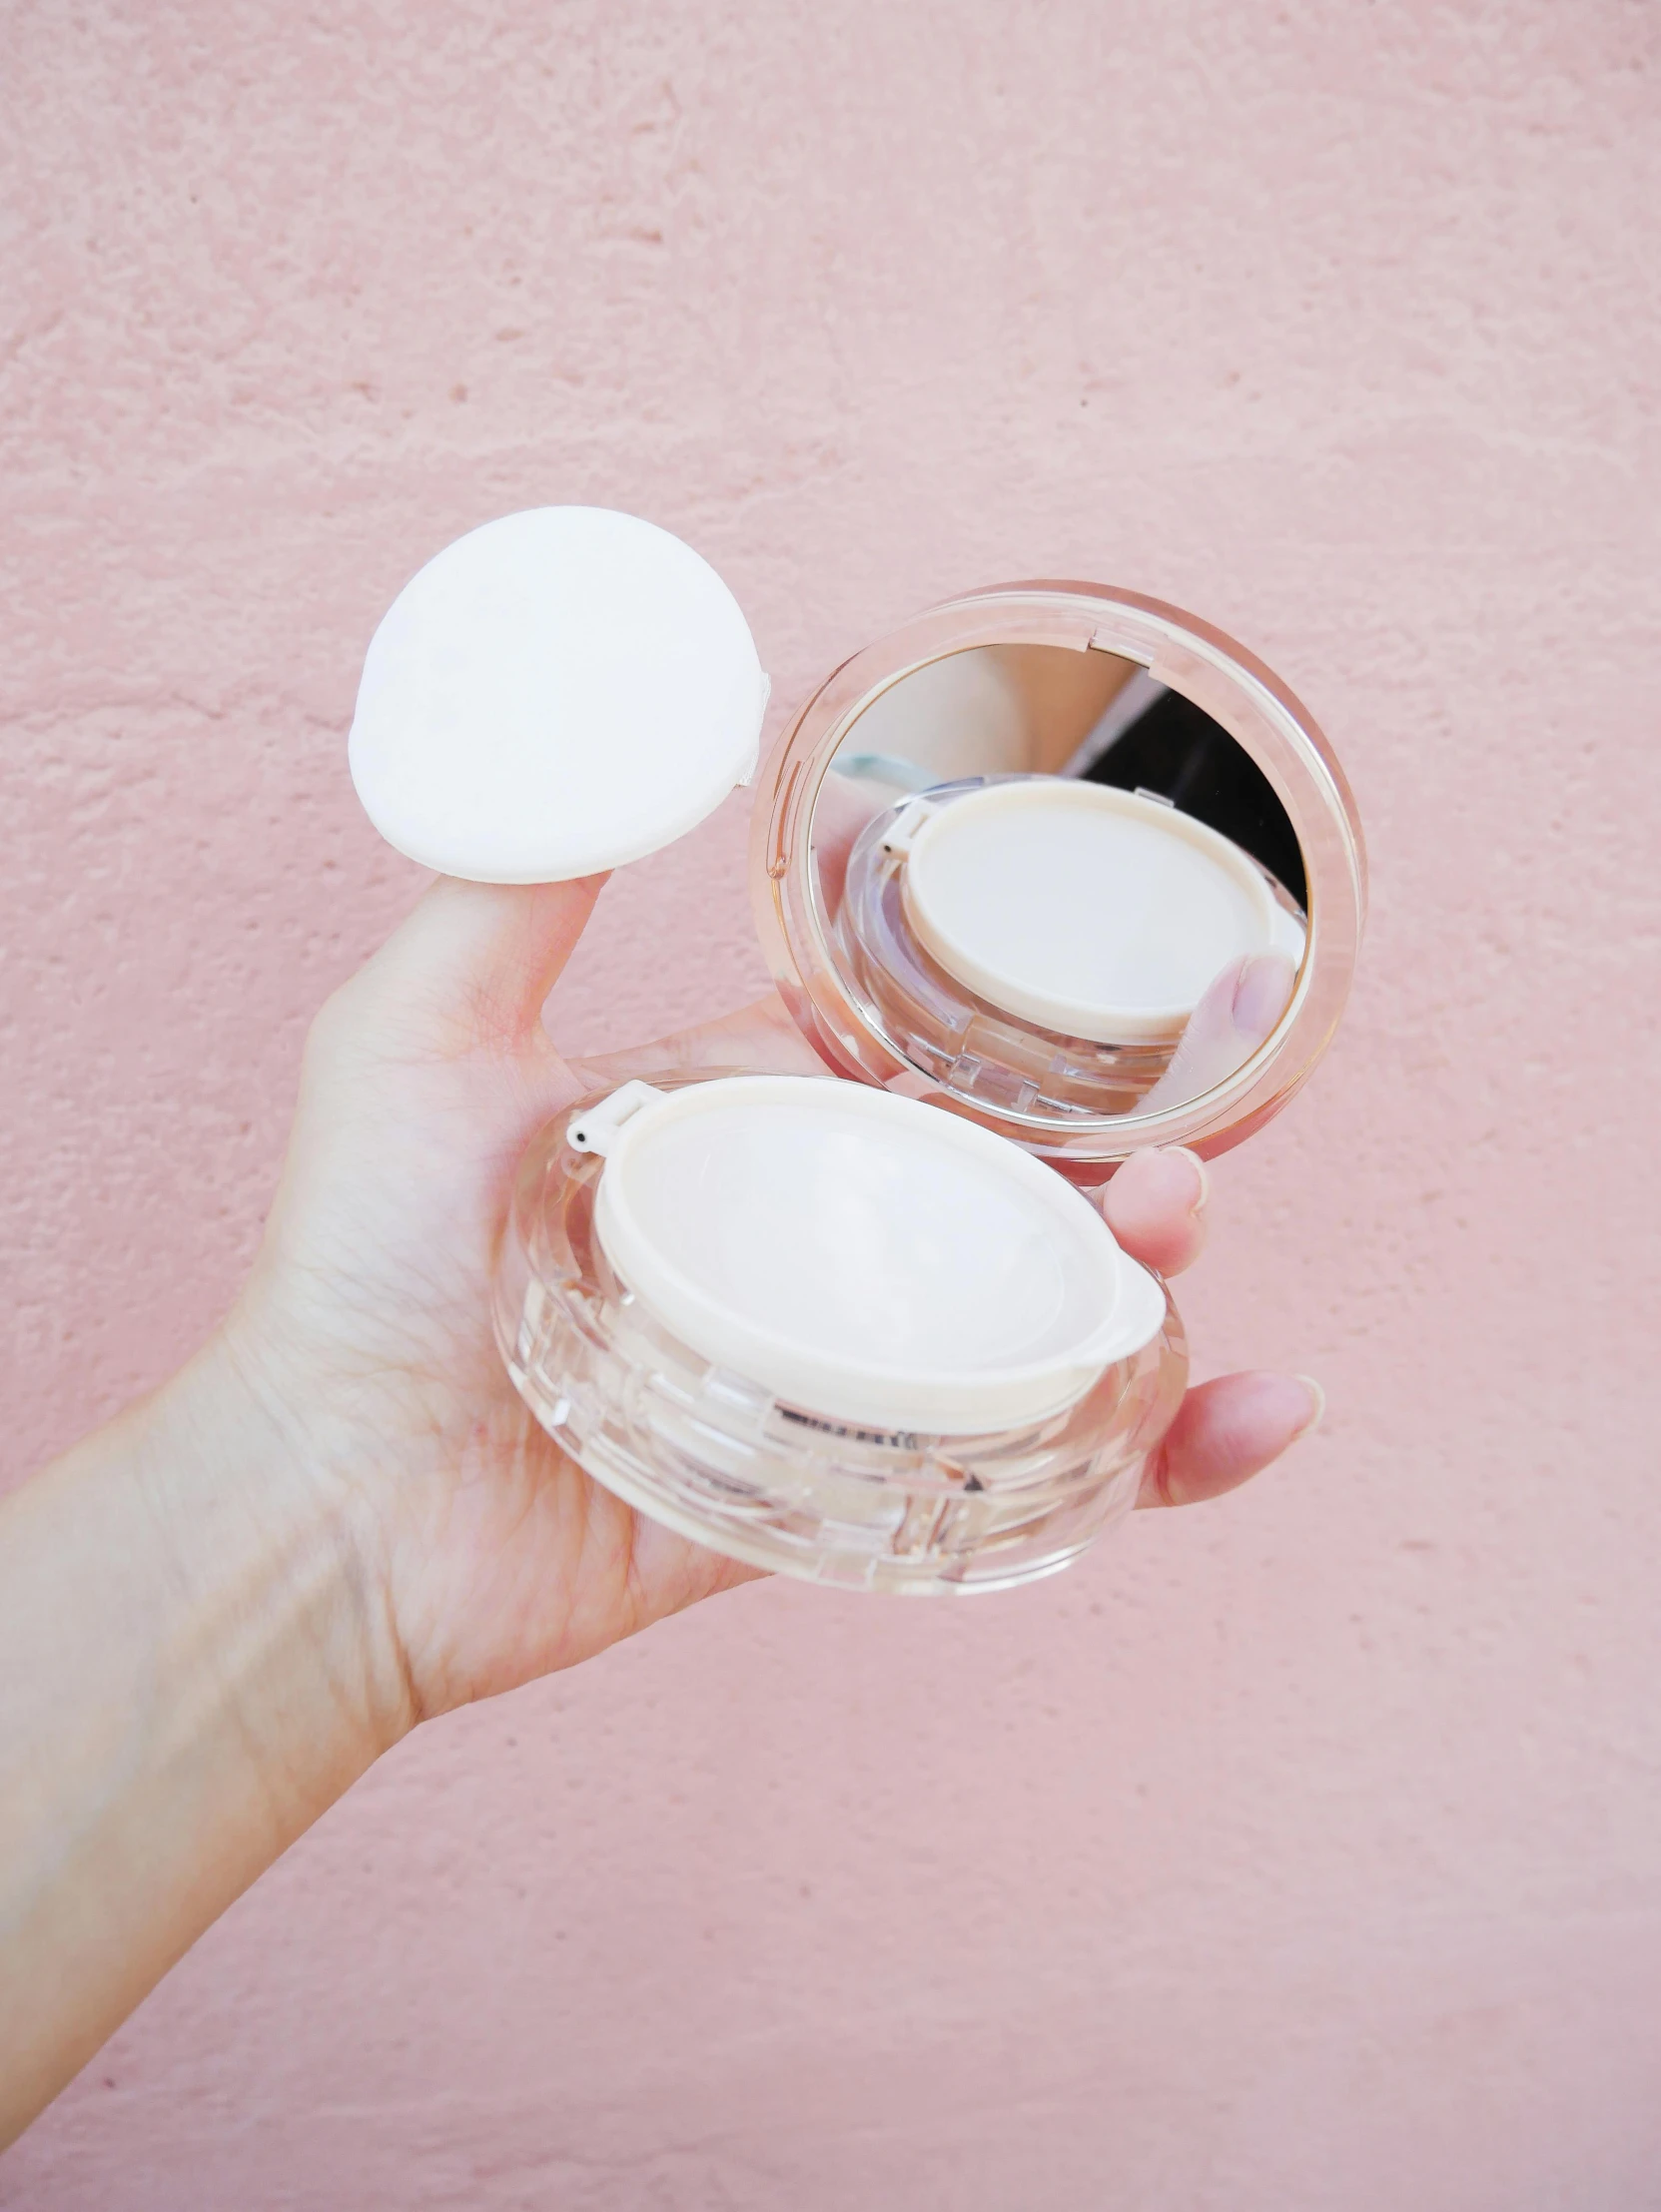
[1063, 888]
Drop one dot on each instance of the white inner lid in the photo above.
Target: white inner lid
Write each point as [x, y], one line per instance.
[1094, 912]
[863, 1255]
[556, 693]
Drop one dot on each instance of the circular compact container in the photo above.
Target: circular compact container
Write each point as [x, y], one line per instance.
[870, 1332]
[833, 1332]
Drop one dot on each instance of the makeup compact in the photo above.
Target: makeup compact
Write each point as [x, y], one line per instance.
[1050, 874]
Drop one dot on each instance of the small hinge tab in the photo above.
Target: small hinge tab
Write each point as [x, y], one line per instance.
[595, 1129]
[906, 824]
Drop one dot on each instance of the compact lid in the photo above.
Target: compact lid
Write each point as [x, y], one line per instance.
[1058, 684]
[1096, 912]
[863, 1255]
[555, 693]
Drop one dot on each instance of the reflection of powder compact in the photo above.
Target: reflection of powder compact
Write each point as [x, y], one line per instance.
[1097, 912]
[861, 1330]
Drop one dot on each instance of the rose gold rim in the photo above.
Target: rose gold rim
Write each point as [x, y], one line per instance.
[1188, 656]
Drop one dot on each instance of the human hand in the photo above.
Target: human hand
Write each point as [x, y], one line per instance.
[341, 1517]
[488, 1556]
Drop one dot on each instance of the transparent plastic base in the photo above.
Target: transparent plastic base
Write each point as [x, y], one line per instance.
[792, 1488]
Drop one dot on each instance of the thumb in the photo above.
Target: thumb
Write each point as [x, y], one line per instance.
[473, 963]
[1233, 1019]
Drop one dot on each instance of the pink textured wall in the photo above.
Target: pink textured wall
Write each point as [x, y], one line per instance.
[1302, 1852]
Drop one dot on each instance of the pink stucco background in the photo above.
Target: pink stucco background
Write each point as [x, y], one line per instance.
[1304, 1852]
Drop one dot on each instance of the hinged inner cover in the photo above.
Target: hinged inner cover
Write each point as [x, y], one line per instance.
[863, 1256]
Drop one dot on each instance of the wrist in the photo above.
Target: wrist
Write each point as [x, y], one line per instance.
[275, 1549]
[193, 1672]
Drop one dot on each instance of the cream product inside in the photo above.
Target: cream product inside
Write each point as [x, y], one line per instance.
[862, 1255]
[1099, 912]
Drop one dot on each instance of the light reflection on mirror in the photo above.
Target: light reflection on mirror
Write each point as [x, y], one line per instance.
[1062, 889]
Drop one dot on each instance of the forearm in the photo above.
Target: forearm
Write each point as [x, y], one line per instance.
[190, 1670]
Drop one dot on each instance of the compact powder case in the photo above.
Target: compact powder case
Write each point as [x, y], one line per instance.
[1050, 874]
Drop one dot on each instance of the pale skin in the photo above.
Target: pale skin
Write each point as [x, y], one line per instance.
[338, 1519]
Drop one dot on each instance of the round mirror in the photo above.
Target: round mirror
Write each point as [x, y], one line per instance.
[1083, 872]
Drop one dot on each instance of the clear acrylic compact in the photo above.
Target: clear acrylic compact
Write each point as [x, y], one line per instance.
[1050, 874]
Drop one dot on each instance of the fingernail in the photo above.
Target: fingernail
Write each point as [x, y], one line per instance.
[1202, 1171]
[1261, 994]
[1318, 1410]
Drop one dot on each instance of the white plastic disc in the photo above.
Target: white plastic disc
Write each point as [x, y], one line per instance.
[1091, 911]
[865, 1257]
[555, 693]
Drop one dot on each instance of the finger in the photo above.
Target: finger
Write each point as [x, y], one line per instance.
[1155, 1207]
[473, 963]
[1227, 1430]
[1233, 1017]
